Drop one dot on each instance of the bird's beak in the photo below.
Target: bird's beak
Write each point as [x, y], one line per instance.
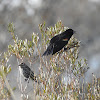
[19, 66]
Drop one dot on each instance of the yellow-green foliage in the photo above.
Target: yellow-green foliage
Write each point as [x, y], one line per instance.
[51, 85]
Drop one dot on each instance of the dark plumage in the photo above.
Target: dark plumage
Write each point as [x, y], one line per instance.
[27, 72]
[58, 42]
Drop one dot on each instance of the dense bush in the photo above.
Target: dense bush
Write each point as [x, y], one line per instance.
[52, 83]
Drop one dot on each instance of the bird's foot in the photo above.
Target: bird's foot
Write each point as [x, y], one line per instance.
[27, 79]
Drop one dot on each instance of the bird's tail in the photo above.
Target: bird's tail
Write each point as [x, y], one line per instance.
[45, 53]
[48, 51]
[33, 77]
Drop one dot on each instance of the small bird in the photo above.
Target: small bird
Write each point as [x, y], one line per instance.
[58, 42]
[27, 72]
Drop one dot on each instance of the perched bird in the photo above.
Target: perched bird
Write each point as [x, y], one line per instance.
[27, 72]
[58, 42]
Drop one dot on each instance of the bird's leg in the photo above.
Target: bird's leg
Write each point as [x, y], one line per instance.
[65, 49]
[69, 47]
[27, 79]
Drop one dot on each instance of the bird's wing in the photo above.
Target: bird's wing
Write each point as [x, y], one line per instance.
[55, 38]
[49, 50]
[26, 72]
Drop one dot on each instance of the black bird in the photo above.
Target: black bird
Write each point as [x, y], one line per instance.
[58, 42]
[27, 72]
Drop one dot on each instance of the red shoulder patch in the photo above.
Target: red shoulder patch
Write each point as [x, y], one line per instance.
[65, 39]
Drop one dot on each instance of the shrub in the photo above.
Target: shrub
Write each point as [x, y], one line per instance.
[53, 83]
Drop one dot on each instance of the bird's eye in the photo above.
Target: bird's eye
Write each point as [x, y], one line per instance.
[22, 63]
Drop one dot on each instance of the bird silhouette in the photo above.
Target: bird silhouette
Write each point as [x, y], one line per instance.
[27, 72]
[58, 42]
